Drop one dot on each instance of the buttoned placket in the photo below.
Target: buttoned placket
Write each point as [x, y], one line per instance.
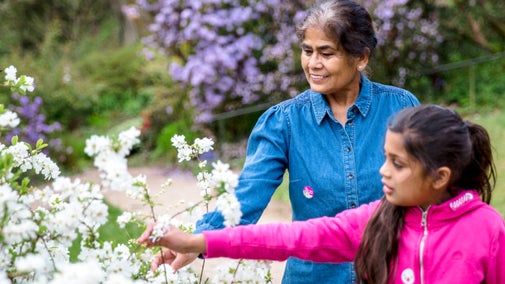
[351, 185]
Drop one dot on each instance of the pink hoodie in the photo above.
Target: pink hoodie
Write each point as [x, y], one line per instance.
[459, 241]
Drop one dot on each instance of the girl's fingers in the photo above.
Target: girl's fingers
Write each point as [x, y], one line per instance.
[144, 238]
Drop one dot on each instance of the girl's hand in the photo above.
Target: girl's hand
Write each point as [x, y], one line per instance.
[174, 259]
[175, 240]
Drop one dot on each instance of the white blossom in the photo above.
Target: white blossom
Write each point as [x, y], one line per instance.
[229, 207]
[31, 262]
[4, 279]
[27, 84]
[221, 174]
[44, 165]
[7, 196]
[243, 272]
[184, 153]
[97, 144]
[125, 218]
[127, 139]
[17, 232]
[178, 141]
[10, 73]
[20, 153]
[80, 273]
[162, 225]
[9, 119]
[204, 145]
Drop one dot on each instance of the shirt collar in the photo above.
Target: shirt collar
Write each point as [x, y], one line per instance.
[362, 103]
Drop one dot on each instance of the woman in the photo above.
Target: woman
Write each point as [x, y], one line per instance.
[329, 138]
[433, 225]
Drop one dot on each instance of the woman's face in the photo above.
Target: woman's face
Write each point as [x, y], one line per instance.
[405, 182]
[328, 68]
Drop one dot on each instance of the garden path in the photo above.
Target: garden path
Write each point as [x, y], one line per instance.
[184, 188]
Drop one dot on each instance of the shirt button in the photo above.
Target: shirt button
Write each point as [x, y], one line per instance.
[348, 149]
[350, 176]
[349, 123]
[353, 205]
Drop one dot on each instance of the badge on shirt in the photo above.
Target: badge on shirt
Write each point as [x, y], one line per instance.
[308, 192]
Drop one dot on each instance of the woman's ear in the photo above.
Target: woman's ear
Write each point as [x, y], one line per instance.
[363, 60]
[442, 178]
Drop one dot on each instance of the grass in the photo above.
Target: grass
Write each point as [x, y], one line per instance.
[495, 124]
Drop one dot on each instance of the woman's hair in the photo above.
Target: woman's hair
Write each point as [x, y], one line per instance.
[436, 137]
[344, 21]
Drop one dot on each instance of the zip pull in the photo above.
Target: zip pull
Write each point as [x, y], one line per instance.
[424, 224]
[424, 219]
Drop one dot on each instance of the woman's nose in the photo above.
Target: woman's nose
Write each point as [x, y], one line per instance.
[314, 61]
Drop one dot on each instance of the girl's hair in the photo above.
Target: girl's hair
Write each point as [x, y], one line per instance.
[436, 137]
[344, 21]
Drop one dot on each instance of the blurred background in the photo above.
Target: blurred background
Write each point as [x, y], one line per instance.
[210, 68]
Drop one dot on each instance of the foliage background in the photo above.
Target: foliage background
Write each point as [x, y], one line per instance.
[88, 61]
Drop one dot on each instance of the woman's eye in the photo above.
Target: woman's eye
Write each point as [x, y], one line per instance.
[307, 51]
[327, 54]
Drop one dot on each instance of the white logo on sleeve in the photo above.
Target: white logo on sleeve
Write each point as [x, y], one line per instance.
[408, 276]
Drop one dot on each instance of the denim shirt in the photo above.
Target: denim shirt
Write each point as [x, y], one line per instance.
[332, 167]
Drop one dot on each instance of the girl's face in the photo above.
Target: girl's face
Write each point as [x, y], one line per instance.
[329, 69]
[404, 179]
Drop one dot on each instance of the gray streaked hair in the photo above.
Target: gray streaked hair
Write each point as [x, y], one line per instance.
[346, 22]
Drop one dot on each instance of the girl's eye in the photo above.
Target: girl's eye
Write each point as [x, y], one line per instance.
[397, 165]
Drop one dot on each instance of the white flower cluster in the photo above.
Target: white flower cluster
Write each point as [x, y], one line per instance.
[221, 180]
[162, 225]
[186, 152]
[38, 226]
[184, 275]
[42, 225]
[110, 159]
[243, 271]
[24, 159]
[21, 84]
[227, 203]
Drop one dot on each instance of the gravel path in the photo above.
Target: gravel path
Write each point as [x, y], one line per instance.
[184, 188]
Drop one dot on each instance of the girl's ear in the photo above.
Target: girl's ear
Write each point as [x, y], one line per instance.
[443, 176]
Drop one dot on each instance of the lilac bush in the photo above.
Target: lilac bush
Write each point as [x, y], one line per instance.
[408, 37]
[222, 52]
[231, 53]
[33, 123]
[35, 126]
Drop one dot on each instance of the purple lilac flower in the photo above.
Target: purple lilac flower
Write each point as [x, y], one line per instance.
[218, 40]
[33, 126]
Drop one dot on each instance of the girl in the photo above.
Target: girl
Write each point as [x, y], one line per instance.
[433, 225]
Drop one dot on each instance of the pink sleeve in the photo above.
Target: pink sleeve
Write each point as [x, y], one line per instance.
[496, 266]
[326, 239]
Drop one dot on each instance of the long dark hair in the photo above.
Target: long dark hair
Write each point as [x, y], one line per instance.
[436, 137]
